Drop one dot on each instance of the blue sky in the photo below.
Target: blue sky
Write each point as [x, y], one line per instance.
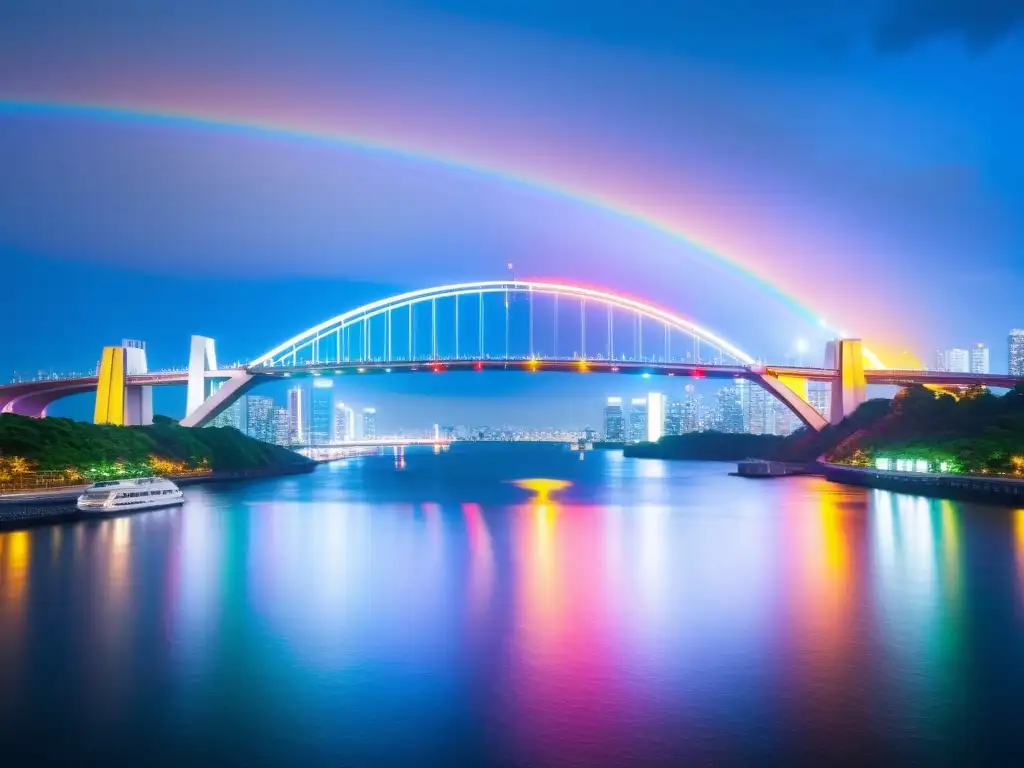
[863, 155]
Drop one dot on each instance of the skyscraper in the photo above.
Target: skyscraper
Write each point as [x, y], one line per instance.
[675, 410]
[693, 411]
[282, 426]
[296, 416]
[638, 419]
[819, 395]
[614, 424]
[1016, 350]
[344, 423]
[369, 423]
[760, 414]
[321, 409]
[979, 359]
[259, 418]
[954, 360]
[655, 416]
[729, 415]
[232, 416]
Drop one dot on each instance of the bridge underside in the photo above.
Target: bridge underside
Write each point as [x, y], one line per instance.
[244, 381]
[32, 399]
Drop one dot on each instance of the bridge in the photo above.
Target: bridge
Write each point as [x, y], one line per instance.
[510, 325]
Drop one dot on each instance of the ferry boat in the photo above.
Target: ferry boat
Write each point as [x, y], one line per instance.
[111, 496]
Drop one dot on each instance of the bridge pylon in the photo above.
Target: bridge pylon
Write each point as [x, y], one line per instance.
[117, 402]
[850, 388]
[202, 358]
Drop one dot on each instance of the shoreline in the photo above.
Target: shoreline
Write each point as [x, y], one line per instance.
[1001, 491]
[56, 506]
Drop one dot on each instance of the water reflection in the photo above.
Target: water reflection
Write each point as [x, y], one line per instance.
[627, 611]
[1018, 537]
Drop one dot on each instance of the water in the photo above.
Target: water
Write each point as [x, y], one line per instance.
[440, 614]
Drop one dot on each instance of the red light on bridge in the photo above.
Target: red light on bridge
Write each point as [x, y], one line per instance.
[478, 366]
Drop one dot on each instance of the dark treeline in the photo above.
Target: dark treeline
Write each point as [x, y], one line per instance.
[56, 444]
[974, 432]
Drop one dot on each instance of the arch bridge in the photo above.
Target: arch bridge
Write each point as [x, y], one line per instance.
[510, 325]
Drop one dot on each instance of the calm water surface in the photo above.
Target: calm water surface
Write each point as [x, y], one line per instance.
[437, 613]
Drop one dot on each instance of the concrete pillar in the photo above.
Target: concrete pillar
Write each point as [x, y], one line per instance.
[138, 400]
[202, 358]
[110, 388]
[117, 402]
[850, 388]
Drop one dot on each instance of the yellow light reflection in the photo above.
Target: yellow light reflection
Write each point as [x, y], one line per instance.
[1018, 538]
[541, 487]
[950, 526]
[15, 554]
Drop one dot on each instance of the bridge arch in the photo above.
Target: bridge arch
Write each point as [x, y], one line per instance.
[314, 340]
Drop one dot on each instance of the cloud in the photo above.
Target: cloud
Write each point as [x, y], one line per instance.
[978, 23]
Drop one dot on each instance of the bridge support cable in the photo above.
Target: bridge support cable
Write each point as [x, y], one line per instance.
[640, 335]
[480, 325]
[456, 327]
[667, 343]
[410, 331]
[506, 323]
[337, 343]
[387, 323]
[433, 329]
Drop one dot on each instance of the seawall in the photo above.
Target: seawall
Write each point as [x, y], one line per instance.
[1005, 491]
[24, 510]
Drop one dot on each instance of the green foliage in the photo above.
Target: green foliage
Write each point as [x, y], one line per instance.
[56, 444]
[977, 433]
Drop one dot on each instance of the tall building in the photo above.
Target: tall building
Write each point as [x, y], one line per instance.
[369, 423]
[614, 423]
[232, 416]
[760, 416]
[675, 411]
[819, 395]
[638, 419]
[296, 415]
[259, 418]
[655, 416]
[694, 412]
[979, 359]
[953, 360]
[1016, 356]
[729, 410]
[321, 410]
[344, 424]
[282, 426]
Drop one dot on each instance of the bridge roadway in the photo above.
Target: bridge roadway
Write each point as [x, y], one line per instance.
[32, 397]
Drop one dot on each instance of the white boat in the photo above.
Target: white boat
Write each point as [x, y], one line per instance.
[130, 495]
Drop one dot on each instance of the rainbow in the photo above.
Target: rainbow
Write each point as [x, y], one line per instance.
[282, 131]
